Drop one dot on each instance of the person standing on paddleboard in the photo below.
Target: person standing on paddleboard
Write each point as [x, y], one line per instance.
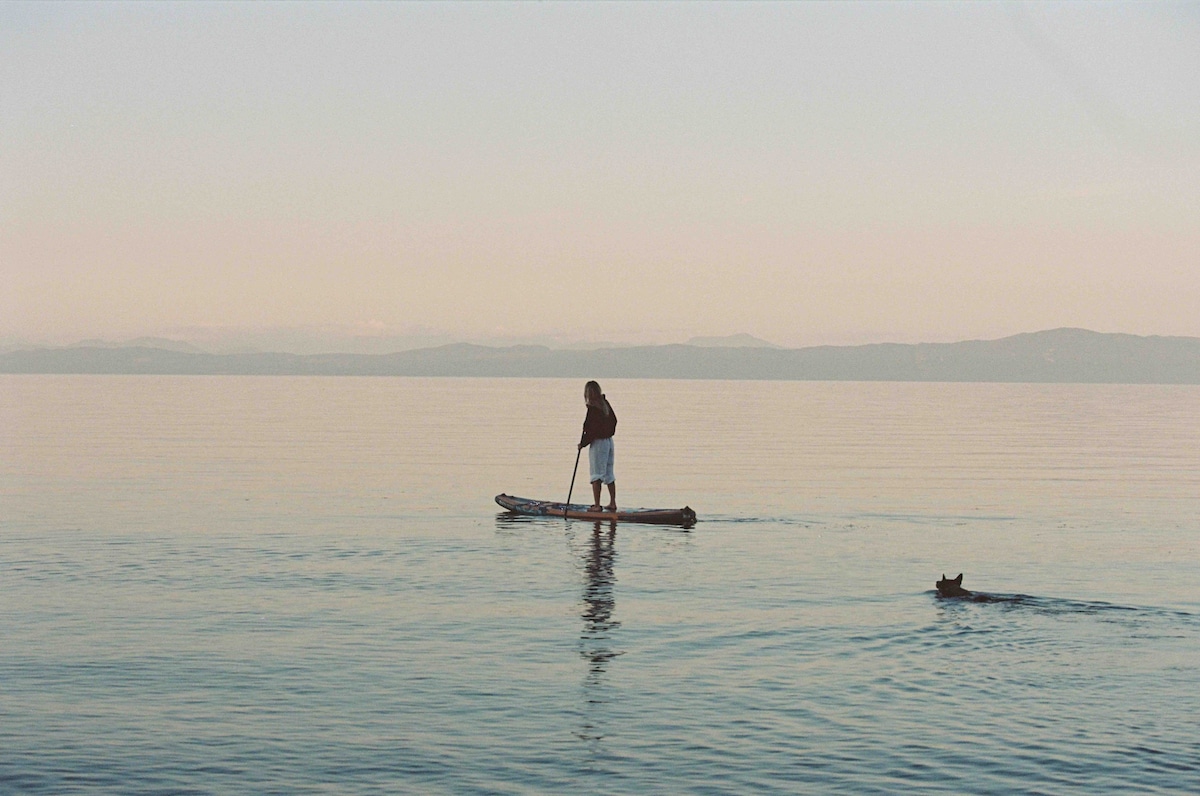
[598, 429]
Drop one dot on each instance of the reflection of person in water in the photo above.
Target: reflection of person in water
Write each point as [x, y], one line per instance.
[598, 601]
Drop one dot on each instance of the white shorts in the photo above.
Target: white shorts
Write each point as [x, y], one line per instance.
[600, 459]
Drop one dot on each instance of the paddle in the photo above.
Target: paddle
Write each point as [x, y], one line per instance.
[567, 506]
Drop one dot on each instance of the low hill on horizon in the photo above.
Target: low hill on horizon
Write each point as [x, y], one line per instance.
[742, 340]
[1057, 355]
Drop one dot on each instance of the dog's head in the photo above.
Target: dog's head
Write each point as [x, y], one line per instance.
[951, 588]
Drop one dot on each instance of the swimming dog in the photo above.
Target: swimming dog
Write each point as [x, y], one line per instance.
[951, 588]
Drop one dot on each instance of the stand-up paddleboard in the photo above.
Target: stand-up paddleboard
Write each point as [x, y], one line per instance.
[544, 508]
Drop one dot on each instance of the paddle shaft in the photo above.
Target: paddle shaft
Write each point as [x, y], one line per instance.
[572, 489]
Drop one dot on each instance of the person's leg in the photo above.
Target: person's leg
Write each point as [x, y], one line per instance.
[609, 476]
[596, 457]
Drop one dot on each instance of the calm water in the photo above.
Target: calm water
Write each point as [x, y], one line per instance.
[289, 585]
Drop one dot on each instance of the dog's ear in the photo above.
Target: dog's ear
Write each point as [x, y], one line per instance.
[943, 576]
[958, 580]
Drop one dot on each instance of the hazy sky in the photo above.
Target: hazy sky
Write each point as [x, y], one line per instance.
[808, 173]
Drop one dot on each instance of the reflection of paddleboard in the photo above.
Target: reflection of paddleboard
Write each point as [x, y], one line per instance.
[544, 508]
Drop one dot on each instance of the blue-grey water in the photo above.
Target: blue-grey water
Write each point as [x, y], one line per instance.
[288, 585]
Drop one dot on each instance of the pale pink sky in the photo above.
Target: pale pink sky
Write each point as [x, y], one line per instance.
[807, 173]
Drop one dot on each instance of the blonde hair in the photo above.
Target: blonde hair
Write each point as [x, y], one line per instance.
[593, 397]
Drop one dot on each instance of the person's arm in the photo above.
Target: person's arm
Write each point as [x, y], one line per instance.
[589, 428]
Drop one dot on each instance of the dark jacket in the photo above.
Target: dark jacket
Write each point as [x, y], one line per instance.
[598, 425]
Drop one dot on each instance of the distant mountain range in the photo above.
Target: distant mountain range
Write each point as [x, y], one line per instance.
[731, 341]
[1059, 355]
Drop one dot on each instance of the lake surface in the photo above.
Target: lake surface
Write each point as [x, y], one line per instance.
[302, 585]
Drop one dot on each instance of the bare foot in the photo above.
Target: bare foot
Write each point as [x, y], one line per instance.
[595, 508]
[611, 507]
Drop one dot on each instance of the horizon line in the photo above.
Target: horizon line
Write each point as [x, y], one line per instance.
[517, 341]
